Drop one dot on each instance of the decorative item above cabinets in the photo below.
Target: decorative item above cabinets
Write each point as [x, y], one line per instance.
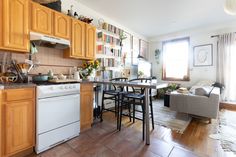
[14, 34]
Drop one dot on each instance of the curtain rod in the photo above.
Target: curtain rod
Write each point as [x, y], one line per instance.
[214, 36]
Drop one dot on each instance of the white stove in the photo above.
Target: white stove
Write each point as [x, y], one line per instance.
[58, 114]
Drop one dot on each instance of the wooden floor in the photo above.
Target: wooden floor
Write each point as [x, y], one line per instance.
[102, 140]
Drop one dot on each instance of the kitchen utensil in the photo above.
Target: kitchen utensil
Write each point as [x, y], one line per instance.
[17, 70]
[40, 78]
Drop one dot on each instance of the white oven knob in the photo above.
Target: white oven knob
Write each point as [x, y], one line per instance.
[66, 87]
[61, 87]
[74, 86]
[70, 87]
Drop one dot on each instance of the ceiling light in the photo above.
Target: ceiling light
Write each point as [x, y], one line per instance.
[230, 7]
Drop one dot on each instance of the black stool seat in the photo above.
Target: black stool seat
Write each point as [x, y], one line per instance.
[134, 96]
[111, 92]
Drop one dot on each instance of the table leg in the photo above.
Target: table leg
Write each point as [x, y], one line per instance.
[147, 130]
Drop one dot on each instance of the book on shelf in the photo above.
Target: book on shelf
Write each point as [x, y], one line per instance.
[112, 28]
[102, 37]
[101, 49]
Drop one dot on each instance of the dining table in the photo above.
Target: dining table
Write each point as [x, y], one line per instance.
[146, 87]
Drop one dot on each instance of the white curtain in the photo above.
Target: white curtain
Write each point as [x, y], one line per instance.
[226, 65]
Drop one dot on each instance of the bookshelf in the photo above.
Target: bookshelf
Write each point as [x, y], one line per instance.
[109, 51]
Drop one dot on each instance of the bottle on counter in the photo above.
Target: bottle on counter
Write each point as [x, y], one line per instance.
[50, 74]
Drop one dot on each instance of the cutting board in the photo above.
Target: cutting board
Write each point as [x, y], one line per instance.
[64, 81]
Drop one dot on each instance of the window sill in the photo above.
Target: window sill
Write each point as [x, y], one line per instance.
[175, 79]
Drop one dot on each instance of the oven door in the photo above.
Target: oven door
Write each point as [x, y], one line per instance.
[57, 112]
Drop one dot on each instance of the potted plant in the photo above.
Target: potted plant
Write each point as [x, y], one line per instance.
[88, 69]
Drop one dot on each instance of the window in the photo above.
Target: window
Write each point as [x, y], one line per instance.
[175, 60]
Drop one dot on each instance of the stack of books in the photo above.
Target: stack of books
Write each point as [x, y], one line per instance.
[182, 90]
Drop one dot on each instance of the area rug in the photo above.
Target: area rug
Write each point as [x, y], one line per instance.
[165, 117]
[226, 131]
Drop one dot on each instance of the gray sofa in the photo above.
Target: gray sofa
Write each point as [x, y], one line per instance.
[199, 105]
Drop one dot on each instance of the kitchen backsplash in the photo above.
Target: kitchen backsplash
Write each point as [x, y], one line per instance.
[48, 58]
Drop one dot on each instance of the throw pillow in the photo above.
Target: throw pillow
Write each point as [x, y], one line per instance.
[203, 91]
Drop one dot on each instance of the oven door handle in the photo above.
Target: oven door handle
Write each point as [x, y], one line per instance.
[58, 98]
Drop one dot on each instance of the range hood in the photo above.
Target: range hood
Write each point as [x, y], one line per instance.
[49, 41]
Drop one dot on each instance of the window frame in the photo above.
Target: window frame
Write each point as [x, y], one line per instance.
[164, 64]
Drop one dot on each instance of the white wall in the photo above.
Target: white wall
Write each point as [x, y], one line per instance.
[198, 36]
[81, 9]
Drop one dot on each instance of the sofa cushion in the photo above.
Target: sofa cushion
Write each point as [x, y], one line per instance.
[203, 91]
[205, 83]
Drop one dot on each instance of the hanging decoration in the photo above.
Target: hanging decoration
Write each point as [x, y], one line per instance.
[157, 56]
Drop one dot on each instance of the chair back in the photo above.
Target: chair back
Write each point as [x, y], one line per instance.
[119, 79]
[137, 89]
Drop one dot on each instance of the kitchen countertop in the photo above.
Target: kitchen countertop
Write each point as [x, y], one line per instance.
[16, 85]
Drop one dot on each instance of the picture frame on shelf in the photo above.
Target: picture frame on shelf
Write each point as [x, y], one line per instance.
[135, 50]
[203, 55]
[143, 48]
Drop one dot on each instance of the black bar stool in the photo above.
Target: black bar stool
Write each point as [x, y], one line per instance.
[113, 94]
[136, 97]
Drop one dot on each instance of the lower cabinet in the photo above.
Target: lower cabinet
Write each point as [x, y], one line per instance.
[86, 106]
[18, 120]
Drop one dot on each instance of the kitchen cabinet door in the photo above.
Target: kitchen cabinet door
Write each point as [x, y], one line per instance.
[86, 106]
[41, 19]
[19, 133]
[17, 120]
[77, 49]
[90, 41]
[62, 25]
[15, 26]
[78, 39]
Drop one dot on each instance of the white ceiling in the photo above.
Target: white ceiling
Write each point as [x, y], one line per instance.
[157, 17]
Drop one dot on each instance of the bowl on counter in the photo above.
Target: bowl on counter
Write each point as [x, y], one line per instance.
[40, 78]
[8, 78]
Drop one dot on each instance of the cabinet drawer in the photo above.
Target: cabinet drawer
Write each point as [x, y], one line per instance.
[18, 94]
[86, 87]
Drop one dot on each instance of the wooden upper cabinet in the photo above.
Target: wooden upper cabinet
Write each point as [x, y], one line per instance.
[62, 25]
[78, 39]
[15, 26]
[77, 49]
[90, 41]
[41, 19]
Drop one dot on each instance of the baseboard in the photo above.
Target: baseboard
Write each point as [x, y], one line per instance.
[24, 153]
[228, 106]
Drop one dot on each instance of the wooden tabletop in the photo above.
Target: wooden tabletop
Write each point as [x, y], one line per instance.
[134, 84]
